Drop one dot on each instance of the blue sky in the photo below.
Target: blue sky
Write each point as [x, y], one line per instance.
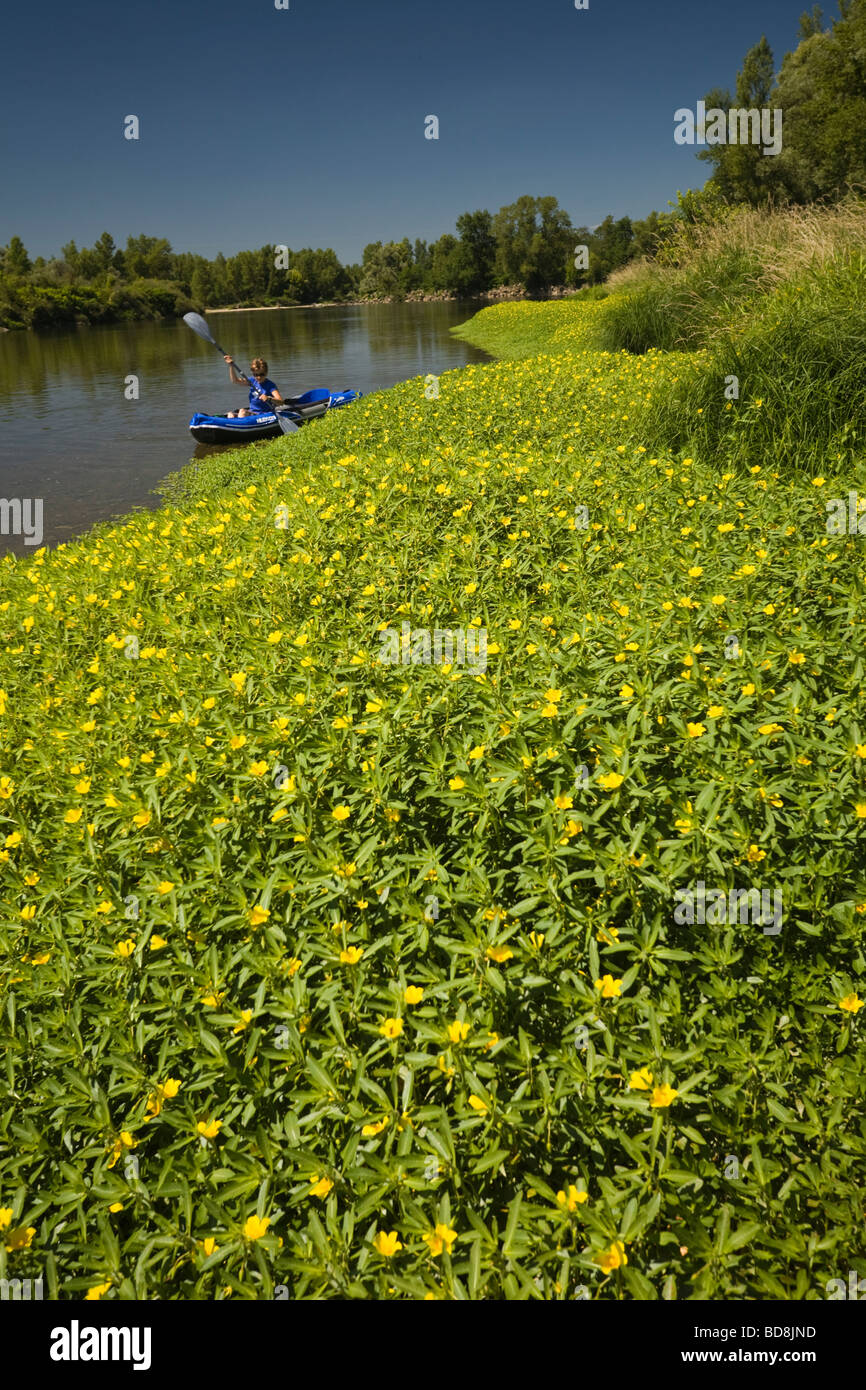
[305, 126]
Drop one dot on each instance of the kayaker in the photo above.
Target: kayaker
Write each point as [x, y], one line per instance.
[263, 387]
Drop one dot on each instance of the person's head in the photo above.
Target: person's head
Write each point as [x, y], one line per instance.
[259, 368]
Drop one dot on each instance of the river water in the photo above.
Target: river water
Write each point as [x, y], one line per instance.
[70, 437]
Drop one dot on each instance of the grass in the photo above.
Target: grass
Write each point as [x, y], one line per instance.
[774, 306]
[367, 981]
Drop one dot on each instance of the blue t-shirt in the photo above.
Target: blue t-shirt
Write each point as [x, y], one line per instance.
[256, 402]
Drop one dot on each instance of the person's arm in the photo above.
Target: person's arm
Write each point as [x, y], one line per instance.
[233, 376]
[275, 395]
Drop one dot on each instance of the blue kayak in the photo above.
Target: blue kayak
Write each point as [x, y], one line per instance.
[245, 429]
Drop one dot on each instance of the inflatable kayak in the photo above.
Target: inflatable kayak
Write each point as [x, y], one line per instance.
[244, 429]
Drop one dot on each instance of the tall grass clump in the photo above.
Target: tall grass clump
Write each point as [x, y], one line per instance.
[773, 306]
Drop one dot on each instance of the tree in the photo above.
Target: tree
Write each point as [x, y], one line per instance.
[202, 284]
[148, 257]
[105, 252]
[822, 91]
[742, 172]
[386, 269]
[15, 258]
[534, 242]
[813, 23]
[478, 258]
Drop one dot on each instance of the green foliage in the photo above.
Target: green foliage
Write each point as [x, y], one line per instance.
[775, 300]
[299, 949]
[821, 91]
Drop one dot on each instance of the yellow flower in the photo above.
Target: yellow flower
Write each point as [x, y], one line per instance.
[851, 1003]
[626, 692]
[748, 689]
[237, 741]
[28, 912]
[95, 1292]
[210, 1130]
[341, 812]
[769, 729]
[73, 815]
[387, 1243]
[715, 711]
[796, 658]
[7, 786]
[209, 1245]
[371, 1130]
[500, 954]
[611, 780]
[255, 1227]
[257, 769]
[413, 994]
[456, 783]
[124, 949]
[563, 802]
[860, 810]
[572, 1199]
[142, 819]
[441, 1238]
[610, 988]
[157, 943]
[351, 955]
[458, 1032]
[274, 638]
[478, 1104]
[391, 1027]
[640, 1080]
[258, 914]
[663, 1096]
[83, 786]
[612, 1258]
[373, 707]
[695, 730]
[165, 887]
[320, 1186]
[245, 1020]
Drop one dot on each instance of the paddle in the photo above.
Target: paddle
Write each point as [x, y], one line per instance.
[198, 325]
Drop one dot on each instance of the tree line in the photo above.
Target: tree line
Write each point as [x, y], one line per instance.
[821, 89]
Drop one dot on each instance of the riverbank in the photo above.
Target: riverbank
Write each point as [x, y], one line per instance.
[500, 293]
[434, 921]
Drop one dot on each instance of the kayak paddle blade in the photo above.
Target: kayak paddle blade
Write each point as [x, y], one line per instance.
[198, 325]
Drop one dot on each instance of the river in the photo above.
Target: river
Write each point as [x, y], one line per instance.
[70, 437]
